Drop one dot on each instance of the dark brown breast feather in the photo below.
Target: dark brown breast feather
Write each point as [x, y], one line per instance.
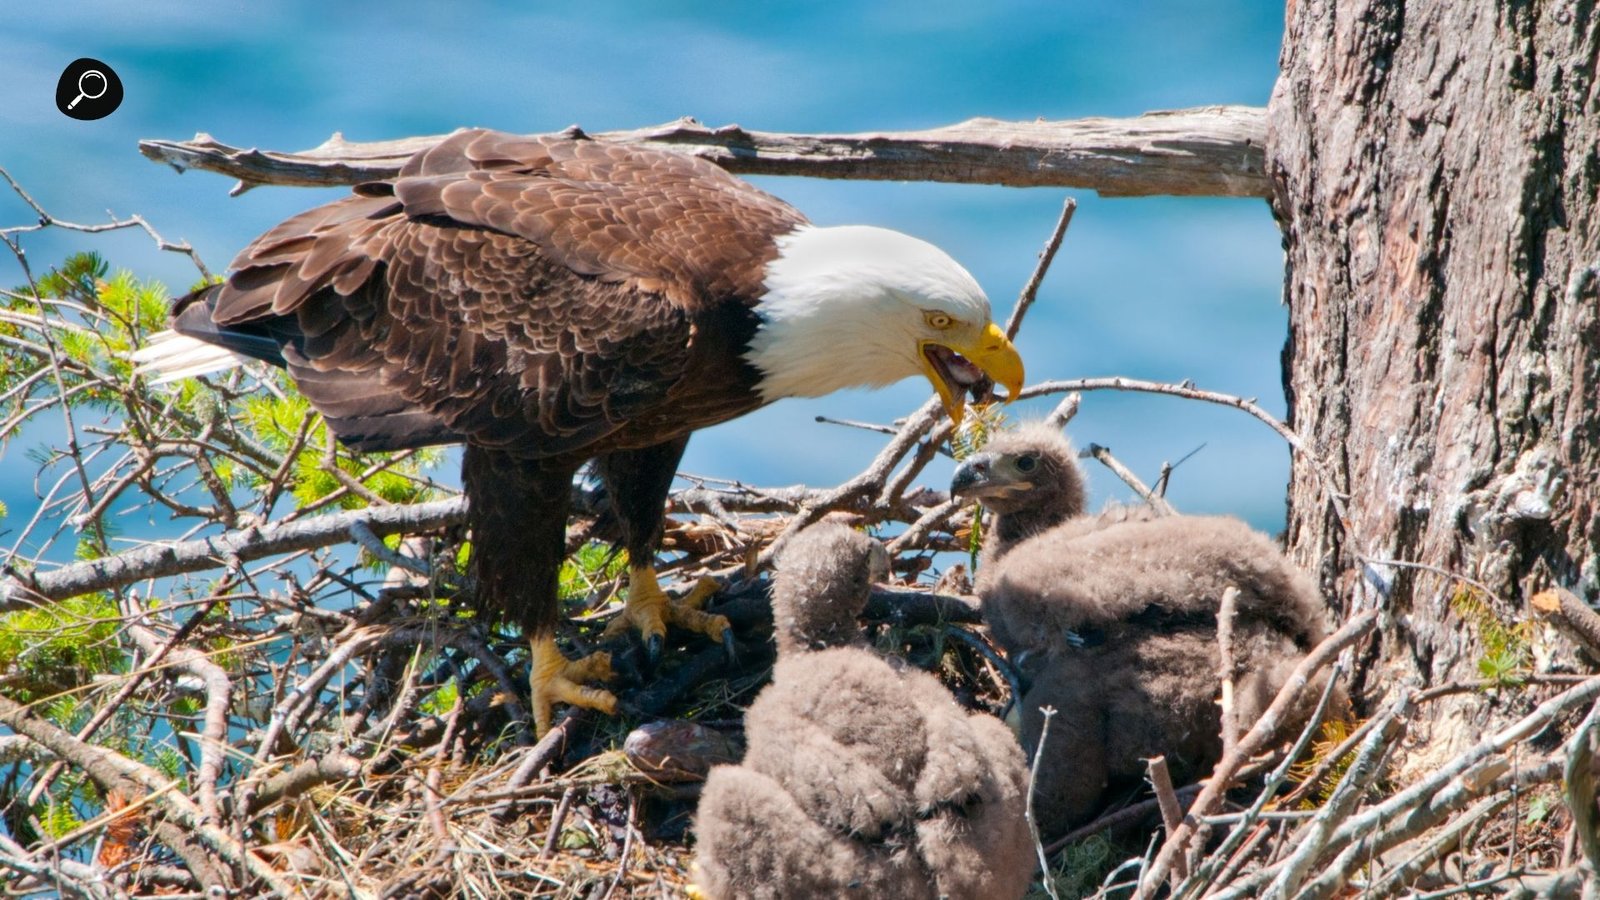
[536, 294]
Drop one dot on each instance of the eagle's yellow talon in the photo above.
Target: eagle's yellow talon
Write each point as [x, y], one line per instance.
[552, 679]
[649, 610]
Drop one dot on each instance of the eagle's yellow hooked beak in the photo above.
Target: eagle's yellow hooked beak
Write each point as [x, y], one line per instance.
[953, 364]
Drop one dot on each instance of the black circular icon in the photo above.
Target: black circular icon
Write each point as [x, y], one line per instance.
[88, 89]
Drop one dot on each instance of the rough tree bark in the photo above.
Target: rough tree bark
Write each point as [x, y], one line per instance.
[1434, 169]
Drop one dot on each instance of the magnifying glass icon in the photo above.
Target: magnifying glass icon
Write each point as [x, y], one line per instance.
[83, 90]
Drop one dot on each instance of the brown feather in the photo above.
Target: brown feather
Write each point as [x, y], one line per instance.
[546, 300]
[877, 757]
[1113, 619]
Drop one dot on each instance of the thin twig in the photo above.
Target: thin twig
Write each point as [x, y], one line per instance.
[1171, 811]
[1252, 743]
[1227, 669]
[1103, 454]
[1033, 823]
[1030, 290]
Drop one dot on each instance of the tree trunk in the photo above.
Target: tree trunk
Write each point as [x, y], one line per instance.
[1435, 167]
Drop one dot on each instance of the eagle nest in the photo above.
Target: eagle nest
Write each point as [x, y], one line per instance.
[299, 720]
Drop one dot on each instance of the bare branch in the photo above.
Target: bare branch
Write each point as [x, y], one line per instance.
[189, 832]
[1252, 743]
[1571, 614]
[1046, 256]
[1227, 668]
[1033, 824]
[1171, 811]
[1206, 151]
[1158, 503]
[18, 591]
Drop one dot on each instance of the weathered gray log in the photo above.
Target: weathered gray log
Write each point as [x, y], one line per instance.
[1206, 151]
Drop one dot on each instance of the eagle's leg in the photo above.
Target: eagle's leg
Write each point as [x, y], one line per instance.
[637, 483]
[517, 510]
[552, 679]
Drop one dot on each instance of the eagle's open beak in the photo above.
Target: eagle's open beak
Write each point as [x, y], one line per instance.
[956, 366]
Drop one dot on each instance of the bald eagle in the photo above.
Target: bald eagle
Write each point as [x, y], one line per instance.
[548, 301]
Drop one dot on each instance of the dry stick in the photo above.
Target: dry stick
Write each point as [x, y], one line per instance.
[184, 827]
[1033, 823]
[1433, 798]
[1573, 615]
[1207, 871]
[1363, 770]
[627, 847]
[1030, 290]
[927, 523]
[1207, 151]
[67, 876]
[538, 756]
[1226, 671]
[429, 788]
[1252, 743]
[894, 488]
[304, 776]
[1171, 812]
[286, 716]
[1064, 412]
[1360, 848]
[863, 484]
[1128, 815]
[163, 559]
[1188, 391]
[48, 221]
[1158, 503]
[864, 426]
[363, 534]
[1541, 717]
[214, 730]
[1580, 792]
[1395, 880]
[135, 679]
[556, 821]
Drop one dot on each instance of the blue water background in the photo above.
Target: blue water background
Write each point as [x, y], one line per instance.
[1160, 288]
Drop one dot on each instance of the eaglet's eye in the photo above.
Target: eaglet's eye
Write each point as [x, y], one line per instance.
[938, 320]
[1026, 463]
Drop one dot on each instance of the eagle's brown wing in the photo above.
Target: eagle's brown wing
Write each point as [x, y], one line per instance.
[531, 294]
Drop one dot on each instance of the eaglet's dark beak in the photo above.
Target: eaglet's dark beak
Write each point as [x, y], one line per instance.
[974, 476]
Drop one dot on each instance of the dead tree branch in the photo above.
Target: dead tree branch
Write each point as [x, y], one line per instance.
[1157, 502]
[1253, 742]
[187, 830]
[1206, 151]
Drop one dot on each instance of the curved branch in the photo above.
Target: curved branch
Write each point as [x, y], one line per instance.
[18, 590]
[1214, 151]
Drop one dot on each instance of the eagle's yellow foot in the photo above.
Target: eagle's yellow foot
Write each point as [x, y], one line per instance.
[552, 679]
[649, 611]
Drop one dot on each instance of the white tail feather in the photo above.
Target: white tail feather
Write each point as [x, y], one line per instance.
[170, 356]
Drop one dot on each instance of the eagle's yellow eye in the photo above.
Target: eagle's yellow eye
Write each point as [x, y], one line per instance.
[939, 320]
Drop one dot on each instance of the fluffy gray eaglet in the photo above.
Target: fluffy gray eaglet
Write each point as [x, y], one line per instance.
[553, 300]
[1112, 620]
[863, 778]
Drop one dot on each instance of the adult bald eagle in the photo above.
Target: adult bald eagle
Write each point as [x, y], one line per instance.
[552, 300]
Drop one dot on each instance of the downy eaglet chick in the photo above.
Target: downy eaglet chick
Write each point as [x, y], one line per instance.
[862, 778]
[1113, 620]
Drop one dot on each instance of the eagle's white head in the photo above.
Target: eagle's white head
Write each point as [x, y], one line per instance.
[857, 306]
